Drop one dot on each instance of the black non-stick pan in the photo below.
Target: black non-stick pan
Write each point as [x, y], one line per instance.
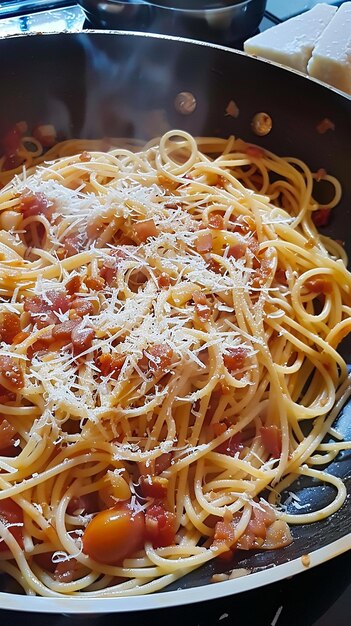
[94, 85]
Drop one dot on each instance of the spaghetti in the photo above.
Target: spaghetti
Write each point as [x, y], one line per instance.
[169, 325]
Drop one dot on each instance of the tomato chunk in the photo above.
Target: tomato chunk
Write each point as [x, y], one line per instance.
[203, 311]
[224, 534]
[11, 375]
[234, 358]
[321, 217]
[144, 230]
[82, 307]
[111, 365]
[114, 534]
[12, 516]
[160, 357]
[12, 140]
[153, 486]
[271, 437]
[7, 435]
[95, 284]
[319, 285]
[10, 326]
[231, 446]
[74, 244]
[73, 285]
[160, 526]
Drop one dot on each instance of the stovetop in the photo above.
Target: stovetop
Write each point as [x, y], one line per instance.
[22, 16]
[319, 597]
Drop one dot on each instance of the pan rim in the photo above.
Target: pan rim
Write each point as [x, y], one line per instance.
[186, 40]
[160, 600]
[180, 597]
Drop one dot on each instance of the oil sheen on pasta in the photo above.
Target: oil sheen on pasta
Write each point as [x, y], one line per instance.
[169, 322]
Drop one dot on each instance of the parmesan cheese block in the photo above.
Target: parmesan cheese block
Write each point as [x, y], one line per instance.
[291, 43]
[331, 58]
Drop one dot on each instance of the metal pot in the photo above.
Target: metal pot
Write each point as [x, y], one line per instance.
[223, 22]
[106, 84]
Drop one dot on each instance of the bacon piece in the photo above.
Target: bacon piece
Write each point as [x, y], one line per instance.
[204, 242]
[10, 326]
[224, 535]
[95, 284]
[234, 358]
[85, 157]
[277, 536]
[271, 437]
[319, 285]
[73, 285]
[153, 486]
[160, 526]
[219, 428]
[216, 222]
[111, 365]
[82, 339]
[74, 244]
[321, 217]
[166, 182]
[255, 152]
[237, 251]
[174, 206]
[203, 311]
[109, 270]
[324, 125]
[33, 204]
[11, 375]
[42, 308]
[144, 230]
[108, 273]
[320, 174]
[161, 358]
[7, 435]
[82, 307]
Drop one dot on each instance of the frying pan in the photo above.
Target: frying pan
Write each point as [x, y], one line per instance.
[98, 84]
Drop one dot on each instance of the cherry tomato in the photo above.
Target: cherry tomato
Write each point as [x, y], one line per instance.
[11, 513]
[114, 534]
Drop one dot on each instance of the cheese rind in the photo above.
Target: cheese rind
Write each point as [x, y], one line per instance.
[331, 57]
[291, 43]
